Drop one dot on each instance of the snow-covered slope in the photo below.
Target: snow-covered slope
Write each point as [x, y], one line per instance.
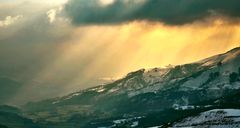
[217, 118]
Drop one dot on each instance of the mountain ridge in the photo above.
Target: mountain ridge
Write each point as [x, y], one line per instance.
[145, 92]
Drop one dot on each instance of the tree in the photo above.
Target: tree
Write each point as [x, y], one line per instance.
[233, 77]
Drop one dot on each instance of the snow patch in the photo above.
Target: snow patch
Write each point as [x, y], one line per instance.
[213, 118]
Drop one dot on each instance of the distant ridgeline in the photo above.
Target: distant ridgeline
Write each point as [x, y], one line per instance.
[185, 95]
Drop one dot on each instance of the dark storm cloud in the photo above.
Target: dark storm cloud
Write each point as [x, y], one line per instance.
[27, 45]
[174, 12]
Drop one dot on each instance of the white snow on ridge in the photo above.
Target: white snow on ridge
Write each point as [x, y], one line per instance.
[224, 58]
[156, 126]
[231, 55]
[155, 74]
[72, 95]
[55, 102]
[101, 90]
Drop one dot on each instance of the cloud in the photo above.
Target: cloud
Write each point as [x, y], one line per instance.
[48, 2]
[56, 15]
[27, 43]
[106, 2]
[52, 15]
[174, 12]
[9, 20]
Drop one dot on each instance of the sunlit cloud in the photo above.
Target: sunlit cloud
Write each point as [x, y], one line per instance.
[54, 2]
[47, 2]
[55, 14]
[10, 20]
[106, 2]
[52, 15]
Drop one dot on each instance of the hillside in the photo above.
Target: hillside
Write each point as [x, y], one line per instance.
[145, 94]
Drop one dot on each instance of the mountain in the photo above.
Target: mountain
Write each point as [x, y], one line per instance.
[9, 87]
[145, 98]
[11, 117]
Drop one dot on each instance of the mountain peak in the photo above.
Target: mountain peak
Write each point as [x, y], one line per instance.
[221, 58]
[234, 50]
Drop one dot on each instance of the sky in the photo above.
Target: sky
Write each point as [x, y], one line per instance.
[56, 47]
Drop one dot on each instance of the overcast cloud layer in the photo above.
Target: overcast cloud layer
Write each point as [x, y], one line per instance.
[174, 12]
